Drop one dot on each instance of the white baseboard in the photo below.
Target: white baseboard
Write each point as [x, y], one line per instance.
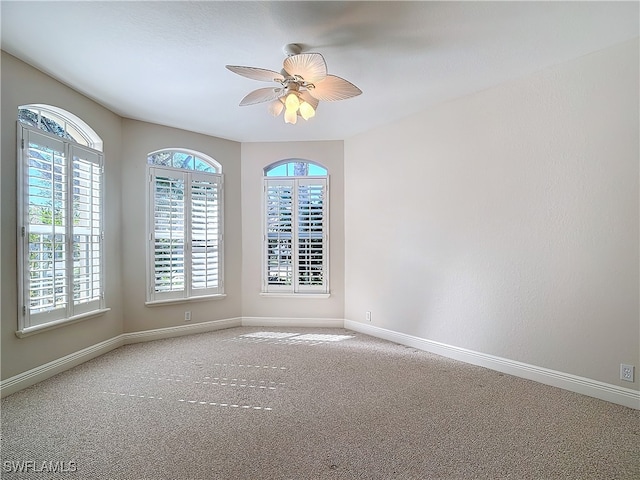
[604, 391]
[38, 374]
[586, 386]
[296, 322]
[180, 330]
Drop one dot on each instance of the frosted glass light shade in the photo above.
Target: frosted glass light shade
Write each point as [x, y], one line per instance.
[290, 116]
[292, 102]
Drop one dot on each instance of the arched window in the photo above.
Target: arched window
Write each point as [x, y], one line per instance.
[60, 215]
[295, 252]
[295, 168]
[185, 252]
[185, 160]
[60, 123]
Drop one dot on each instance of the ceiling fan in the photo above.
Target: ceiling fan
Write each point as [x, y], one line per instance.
[303, 82]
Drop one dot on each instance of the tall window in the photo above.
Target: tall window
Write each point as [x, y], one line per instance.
[185, 226]
[296, 196]
[60, 218]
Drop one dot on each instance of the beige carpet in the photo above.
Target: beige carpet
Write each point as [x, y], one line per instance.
[251, 403]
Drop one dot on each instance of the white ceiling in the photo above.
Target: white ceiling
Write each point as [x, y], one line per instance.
[164, 62]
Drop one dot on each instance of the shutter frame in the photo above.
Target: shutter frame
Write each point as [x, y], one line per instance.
[309, 258]
[195, 223]
[61, 229]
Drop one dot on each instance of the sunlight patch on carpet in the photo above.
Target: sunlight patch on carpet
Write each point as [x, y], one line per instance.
[269, 335]
[289, 338]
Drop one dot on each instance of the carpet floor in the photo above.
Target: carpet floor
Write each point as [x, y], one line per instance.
[303, 404]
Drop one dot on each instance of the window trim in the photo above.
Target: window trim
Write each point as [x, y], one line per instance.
[79, 313]
[154, 298]
[294, 290]
[27, 332]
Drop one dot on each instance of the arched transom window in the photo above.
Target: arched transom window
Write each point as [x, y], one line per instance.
[60, 123]
[184, 160]
[295, 168]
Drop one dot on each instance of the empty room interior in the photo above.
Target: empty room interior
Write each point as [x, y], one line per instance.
[428, 198]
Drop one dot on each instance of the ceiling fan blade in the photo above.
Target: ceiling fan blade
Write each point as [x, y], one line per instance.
[261, 95]
[334, 88]
[254, 73]
[310, 66]
[309, 99]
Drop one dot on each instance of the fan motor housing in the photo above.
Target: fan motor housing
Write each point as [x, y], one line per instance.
[292, 49]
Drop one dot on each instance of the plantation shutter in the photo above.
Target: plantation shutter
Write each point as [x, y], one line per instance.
[61, 228]
[167, 238]
[87, 229]
[206, 234]
[186, 234]
[311, 234]
[296, 235]
[279, 235]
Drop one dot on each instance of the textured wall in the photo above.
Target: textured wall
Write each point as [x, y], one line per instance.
[506, 222]
[21, 85]
[256, 156]
[139, 139]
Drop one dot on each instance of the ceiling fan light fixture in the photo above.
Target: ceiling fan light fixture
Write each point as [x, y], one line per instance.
[303, 80]
[307, 111]
[290, 116]
[292, 102]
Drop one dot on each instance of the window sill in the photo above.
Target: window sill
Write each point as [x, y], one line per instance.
[26, 332]
[171, 301]
[316, 296]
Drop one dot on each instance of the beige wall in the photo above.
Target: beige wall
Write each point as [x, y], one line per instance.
[513, 228]
[22, 84]
[139, 139]
[508, 221]
[256, 156]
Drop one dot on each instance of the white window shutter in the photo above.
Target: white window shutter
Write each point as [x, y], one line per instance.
[206, 234]
[46, 247]
[168, 235]
[60, 247]
[186, 240]
[279, 238]
[295, 250]
[311, 245]
[87, 230]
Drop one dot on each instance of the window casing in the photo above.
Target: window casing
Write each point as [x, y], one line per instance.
[185, 247]
[295, 238]
[60, 226]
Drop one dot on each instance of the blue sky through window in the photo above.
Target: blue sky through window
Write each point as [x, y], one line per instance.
[296, 169]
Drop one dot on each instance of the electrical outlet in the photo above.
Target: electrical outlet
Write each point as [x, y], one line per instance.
[368, 316]
[626, 372]
[187, 316]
